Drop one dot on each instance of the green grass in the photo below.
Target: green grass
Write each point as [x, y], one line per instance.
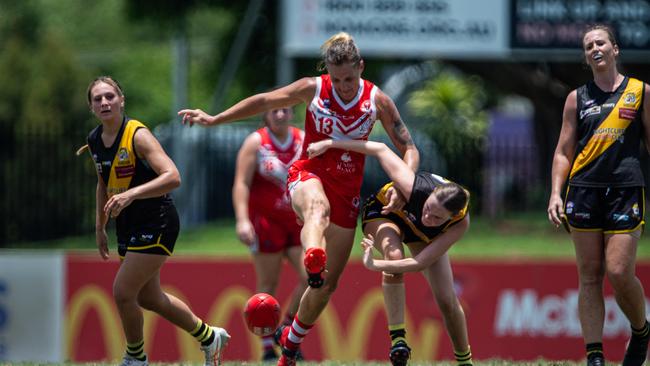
[525, 235]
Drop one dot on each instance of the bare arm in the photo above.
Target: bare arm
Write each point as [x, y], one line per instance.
[398, 171]
[101, 218]
[646, 116]
[390, 118]
[431, 253]
[244, 170]
[149, 149]
[563, 157]
[297, 92]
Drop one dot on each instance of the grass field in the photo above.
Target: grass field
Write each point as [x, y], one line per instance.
[336, 363]
[525, 235]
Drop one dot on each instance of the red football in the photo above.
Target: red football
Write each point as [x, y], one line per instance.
[262, 314]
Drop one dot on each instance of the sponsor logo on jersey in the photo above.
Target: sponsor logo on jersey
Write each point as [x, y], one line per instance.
[589, 102]
[122, 156]
[629, 99]
[365, 106]
[589, 111]
[627, 113]
[609, 134]
[569, 207]
[608, 105]
[345, 157]
[620, 217]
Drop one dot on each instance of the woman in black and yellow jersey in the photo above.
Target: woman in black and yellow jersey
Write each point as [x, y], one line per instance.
[430, 221]
[135, 176]
[598, 152]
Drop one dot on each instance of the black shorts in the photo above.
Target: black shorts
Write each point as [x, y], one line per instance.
[610, 210]
[155, 237]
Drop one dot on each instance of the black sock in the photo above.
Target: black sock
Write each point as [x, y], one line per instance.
[641, 333]
[136, 350]
[464, 358]
[397, 333]
[594, 350]
[203, 333]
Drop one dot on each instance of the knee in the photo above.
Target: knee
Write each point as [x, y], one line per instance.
[122, 295]
[620, 276]
[449, 305]
[591, 274]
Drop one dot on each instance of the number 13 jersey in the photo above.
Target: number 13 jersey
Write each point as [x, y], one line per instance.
[328, 117]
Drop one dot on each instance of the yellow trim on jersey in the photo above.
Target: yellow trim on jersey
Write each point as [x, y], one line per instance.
[124, 162]
[381, 197]
[598, 144]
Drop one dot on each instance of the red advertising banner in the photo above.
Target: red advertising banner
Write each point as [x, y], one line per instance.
[515, 310]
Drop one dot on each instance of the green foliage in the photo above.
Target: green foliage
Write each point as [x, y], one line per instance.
[454, 105]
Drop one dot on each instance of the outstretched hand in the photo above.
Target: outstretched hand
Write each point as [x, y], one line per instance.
[192, 116]
[317, 148]
[367, 243]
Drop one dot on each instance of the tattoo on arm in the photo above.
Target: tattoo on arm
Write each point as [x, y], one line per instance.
[402, 133]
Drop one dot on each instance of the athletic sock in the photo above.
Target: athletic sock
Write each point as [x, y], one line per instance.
[297, 333]
[464, 358]
[203, 333]
[594, 350]
[397, 333]
[267, 342]
[136, 350]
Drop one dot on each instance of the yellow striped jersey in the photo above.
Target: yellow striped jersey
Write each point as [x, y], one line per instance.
[120, 168]
[609, 132]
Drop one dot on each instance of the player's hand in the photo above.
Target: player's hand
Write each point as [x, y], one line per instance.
[367, 243]
[555, 210]
[192, 116]
[102, 243]
[117, 203]
[396, 201]
[245, 232]
[317, 148]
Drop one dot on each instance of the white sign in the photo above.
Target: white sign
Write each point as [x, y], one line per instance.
[399, 28]
[31, 307]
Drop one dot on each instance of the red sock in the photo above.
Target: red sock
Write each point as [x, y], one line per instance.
[297, 333]
[267, 342]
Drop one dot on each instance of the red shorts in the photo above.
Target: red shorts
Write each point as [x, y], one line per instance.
[274, 235]
[344, 208]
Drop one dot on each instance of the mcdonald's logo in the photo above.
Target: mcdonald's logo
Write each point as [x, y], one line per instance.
[338, 341]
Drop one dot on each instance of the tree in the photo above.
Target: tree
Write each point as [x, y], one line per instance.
[453, 108]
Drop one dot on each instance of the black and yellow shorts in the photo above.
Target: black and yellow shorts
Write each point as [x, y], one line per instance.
[155, 237]
[610, 210]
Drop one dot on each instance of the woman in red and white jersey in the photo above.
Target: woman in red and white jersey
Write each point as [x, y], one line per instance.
[325, 191]
[265, 220]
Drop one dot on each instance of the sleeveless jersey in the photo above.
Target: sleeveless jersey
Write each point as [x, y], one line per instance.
[268, 194]
[120, 169]
[328, 117]
[411, 213]
[609, 133]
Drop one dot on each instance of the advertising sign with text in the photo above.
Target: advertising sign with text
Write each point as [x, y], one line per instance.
[515, 310]
[552, 24]
[399, 28]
